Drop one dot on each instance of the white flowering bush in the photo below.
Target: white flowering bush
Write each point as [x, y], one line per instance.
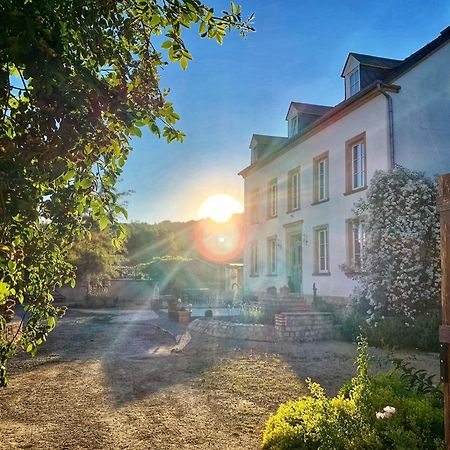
[400, 267]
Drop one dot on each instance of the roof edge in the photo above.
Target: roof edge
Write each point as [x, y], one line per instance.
[339, 108]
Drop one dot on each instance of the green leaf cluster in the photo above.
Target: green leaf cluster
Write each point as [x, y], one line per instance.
[78, 79]
[349, 420]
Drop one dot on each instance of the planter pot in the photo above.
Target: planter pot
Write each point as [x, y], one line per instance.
[184, 317]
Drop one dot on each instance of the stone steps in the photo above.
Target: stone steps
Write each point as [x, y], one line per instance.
[285, 304]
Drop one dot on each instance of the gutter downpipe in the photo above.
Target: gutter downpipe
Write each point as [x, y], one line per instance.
[390, 114]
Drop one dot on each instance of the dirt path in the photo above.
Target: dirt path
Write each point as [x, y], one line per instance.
[102, 384]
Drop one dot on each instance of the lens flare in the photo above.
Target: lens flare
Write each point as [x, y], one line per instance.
[220, 208]
[219, 242]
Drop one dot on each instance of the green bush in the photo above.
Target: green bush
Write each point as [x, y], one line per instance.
[349, 421]
[422, 334]
[255, 314]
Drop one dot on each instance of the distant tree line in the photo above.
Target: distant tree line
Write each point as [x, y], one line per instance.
[147, 251]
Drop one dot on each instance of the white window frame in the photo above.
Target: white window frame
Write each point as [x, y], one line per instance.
[322, 180]
[294, 189]
[354, 81]
[358, 157]
[254, 259]
[272, 256]
[254, 206]
[293, 126]
[358, 236]
[322, 250]
[273, 198]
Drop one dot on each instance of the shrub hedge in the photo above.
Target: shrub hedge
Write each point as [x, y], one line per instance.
[350, 421]
[422, 334]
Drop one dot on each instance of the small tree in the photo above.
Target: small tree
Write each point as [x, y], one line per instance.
[96, 260]
[400, 269]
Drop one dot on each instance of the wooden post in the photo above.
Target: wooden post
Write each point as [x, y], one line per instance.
[444, 330]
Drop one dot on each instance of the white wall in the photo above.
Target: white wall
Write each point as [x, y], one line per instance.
[422, 142]
[371, 118]
[351, 65]
[422, 115]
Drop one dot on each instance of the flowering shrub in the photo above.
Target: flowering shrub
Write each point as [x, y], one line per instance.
[400, 268]
[384, 412]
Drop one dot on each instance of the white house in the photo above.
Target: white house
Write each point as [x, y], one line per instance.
[300, 189]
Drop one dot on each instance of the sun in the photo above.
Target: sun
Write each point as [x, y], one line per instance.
[220, 207]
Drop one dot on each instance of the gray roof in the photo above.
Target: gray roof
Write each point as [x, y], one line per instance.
[373, 61]
[269, 141]
[376, 61]
[309, 108]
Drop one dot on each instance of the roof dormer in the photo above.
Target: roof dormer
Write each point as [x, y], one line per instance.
[262, 146]
[361, 70]
[301, 115]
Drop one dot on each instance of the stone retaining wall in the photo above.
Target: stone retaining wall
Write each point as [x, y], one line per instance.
[247, 331]
[305, 327]
[293, 327]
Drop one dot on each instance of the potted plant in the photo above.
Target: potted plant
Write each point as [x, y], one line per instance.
[184, 315]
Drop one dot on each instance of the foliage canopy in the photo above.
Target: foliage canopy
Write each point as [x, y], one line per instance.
[78, 78]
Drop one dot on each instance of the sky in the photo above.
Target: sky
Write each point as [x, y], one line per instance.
[245, 86]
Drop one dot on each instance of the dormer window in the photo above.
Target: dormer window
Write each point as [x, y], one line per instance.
[293, 126]
[355, 85]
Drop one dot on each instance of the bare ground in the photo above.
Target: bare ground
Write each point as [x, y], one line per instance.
[102, 384]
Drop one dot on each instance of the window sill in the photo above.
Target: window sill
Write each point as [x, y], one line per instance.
[352, 273]
[254, 275]
[318, 202]
[290, 211]
[271, 275]
[272, 217]
[321, 274]
[355, 191]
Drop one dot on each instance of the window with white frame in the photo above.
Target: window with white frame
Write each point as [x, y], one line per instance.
[358, 165]
[254, 206]
[272, 256]
[272, 197]
[294, 189]
[354, 81]
[357, 238]
[293, 126]
[254, 259]
[322, 179]
[321, 250]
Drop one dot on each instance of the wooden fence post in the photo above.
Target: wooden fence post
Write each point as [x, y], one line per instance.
[444, 330]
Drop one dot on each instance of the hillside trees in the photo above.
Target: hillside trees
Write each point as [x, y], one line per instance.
[78, 78]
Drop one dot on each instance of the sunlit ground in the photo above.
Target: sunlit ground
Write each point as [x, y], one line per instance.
[92, 390]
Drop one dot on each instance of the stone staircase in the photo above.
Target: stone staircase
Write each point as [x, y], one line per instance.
[284, 303]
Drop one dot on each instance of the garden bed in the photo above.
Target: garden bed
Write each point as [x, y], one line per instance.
[295, 327]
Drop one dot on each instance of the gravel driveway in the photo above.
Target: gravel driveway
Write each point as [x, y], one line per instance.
[102, 382]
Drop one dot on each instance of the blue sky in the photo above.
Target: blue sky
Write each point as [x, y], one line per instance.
[245, 86]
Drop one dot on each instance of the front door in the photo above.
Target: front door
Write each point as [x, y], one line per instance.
[295, 262]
